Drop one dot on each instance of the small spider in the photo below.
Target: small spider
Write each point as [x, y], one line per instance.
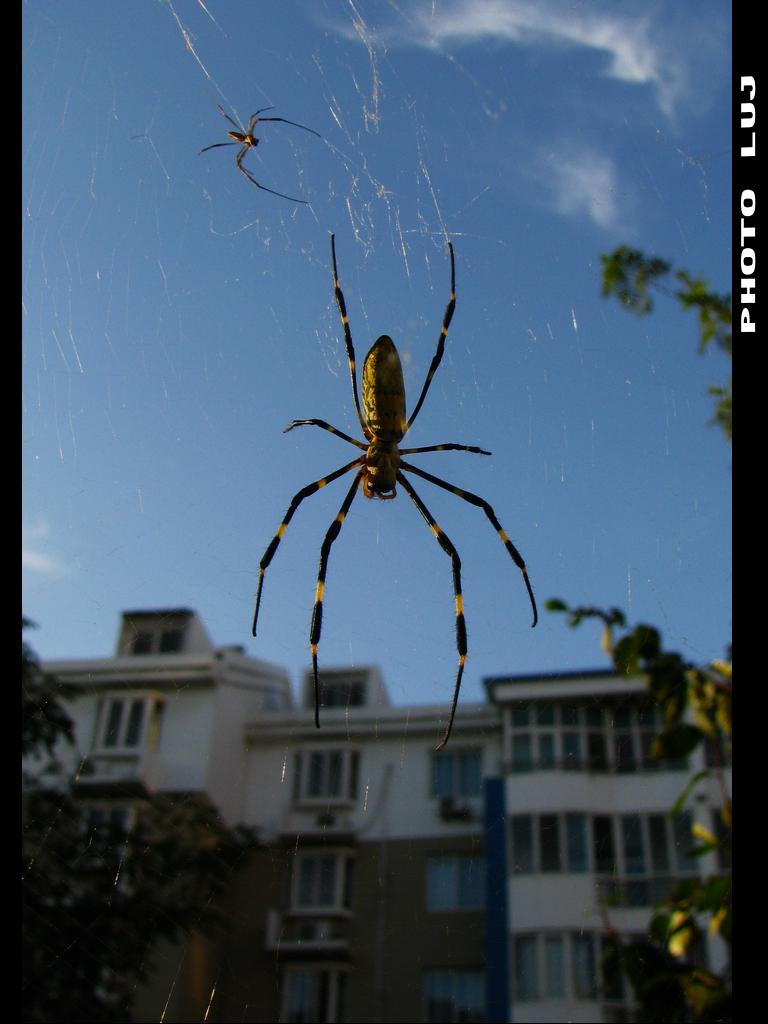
[384, 425]
[247, 140]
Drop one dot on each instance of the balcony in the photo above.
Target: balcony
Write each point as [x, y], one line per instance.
[308, 935]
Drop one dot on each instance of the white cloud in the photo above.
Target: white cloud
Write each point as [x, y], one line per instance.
[636, 49]
[32, 558]
[36, 561]
[583, 182]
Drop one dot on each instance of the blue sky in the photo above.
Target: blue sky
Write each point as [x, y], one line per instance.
[176, 318]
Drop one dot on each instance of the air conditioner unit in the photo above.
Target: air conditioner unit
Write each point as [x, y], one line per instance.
[314, 931]
[451, 809]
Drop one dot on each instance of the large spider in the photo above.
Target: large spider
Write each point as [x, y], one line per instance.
[384, 426]
[245, 138]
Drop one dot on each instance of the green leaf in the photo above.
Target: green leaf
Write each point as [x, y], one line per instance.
[678, 805]
[676, 742]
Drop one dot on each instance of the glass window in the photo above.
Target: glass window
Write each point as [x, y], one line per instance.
[570, 713]
[114, 718]
[571, 751]
[632, 836]
[657, 831]
[583, 964]
[683, 839]
[522, 844]
[457, 773]
[545, 714]
[453, 996]
[455, 883]
[594, 717]
[135, 722]
[549, 842]
[522, 760]
[554, 967]
[613, 983]
[170, 641]
[321, 879]
[327, 774]
[142, 643]
[470, 772]
[576, 842]
[622, 718]
[602, 841]
[597, 760]
[526, 980]
[313, 996]
[123, 722]
[546, 751]
[520, 717]
[624, 752]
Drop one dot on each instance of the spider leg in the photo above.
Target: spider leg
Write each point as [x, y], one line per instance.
[317, 612]
[440, 344]
[325, 426]
[255, 117]
[250, 177]
[216, 145]
[347, 333]
[230, 119]
[461, 627]
[286, 121]
[297, 499]
[473, 499]
[446, 448]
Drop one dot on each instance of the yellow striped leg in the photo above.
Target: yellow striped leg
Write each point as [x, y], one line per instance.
[305, 492]
[317, 611]
[347, 332]
[326, 426]
[446, 448]
[440, 344]
[473, 499]
[461, 626]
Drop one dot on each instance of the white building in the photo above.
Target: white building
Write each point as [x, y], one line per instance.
[393, 883]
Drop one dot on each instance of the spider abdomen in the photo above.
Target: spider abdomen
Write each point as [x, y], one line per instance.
[384, 391]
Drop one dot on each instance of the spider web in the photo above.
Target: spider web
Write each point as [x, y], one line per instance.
[175, 319]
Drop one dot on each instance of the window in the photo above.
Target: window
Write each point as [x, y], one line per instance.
[522, 752]
[683, 841]
[616, 737]
[455, 883]
[457, 773]
[170, 641]
[453, 996]
[576, 842]
[106, 817]
[549, 842]
[572, 751]
[522, 844]
[526, 969]
[585, 982]
[555, 966]
[162, 641]
[348, 693]
[142, 643]
[314, 995]
[322, 881]
[632, 837]
[326, 775]
[602, 840]
[123, 721]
